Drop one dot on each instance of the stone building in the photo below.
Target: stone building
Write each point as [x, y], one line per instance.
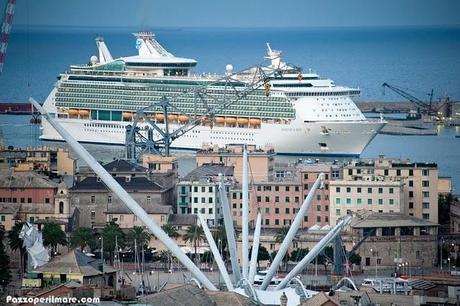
[374, 195]
[420, 182]
[394, 239]
[93, 198]
[198, 192]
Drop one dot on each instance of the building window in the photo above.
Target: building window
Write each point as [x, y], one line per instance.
[305, 219]
[195, 189]
[411, 183]
[277, 199]
[277, 222]
[29, 200]
[337, 201]
[195, 200]
[359, 201]
[203, 200]
[61, 207]
[267, 199]
[369, 201]
[210, 210]
[23, 200]
[337, 212]
[358, 190]
[267, 221]
[426, 205]
[296, 188]
[411, 205]
[391, 190]
[350, 171]
[348, 201]
[380, 190]
[202, 210]
[296, 199]
[287, 199]
[391, 201]
[93, 199]
[337, 189]
[318, 197]
[348, 189]
[210, 189]
[385, 172]
[369, 190]
[287, 210]
[47, 200]
[267, 210]
[234, 196]
[426, 194]
[93, 215]
[426, 216]
[195, 210]
[411, 194]
[109, 199]
[287, 188]
[2, 218]
[318, 207]
[318, 218]
[203, 189]
[210, 200]
[426, 172]
[259, 199]
[380, 201]
[398, 172]
[277, 188]
[234, 205]
[277, 210]
[425, 183]
[149, 199]
[411, 172]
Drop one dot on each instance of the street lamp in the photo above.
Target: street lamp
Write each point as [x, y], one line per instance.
[375, 256]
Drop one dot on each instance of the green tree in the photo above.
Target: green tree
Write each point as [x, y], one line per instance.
[173, 233]
[279, 238]
[16, 243]
[5, 273]
[326, 257]
[112, 233]
[262, 254]
[53, 235]
[444, 203]
[194, 235]
[298, 254]
[82, 238]
[140, 235]
[355, 259]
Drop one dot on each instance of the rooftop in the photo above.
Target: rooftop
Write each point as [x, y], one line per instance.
[133, 183]
[374, 219]
[208, 170]
[26, 179]
[175, 219]
[122, 165]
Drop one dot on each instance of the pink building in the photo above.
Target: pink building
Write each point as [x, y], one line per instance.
[26, 187]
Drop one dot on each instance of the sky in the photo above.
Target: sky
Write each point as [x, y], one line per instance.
[236, 13]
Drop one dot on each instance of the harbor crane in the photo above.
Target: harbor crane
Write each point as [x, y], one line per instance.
[439, 110]
[7, 24]
[424, 106]
[152, 138]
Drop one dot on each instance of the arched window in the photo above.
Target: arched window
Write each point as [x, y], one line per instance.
[61, 207]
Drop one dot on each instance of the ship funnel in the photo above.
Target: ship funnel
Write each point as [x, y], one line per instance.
[104, 53]
[149, 46]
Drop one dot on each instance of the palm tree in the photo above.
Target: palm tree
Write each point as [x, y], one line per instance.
[279, 238]
[16, 243]
[140, 235]
[171, 232]
[194, 234]
[111, 233]
[53, 235]
[82, 237]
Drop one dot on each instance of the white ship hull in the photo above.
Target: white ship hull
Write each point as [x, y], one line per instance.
[342, 138]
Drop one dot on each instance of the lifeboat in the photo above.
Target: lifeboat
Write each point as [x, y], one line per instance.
[242, 121]
[72, 112]
[254, 121]
[127, 115]
[83, 112]
[159, 117]
[230, 120]
[220, 119]
[172, 117]
[183, 118]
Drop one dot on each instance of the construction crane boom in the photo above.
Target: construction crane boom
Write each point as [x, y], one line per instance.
[424, 105]
[7, 24]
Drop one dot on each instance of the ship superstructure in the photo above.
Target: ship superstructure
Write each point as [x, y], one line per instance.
[301, 114]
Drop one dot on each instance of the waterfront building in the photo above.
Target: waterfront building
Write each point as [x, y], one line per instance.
[261, 161]
[93, 198]
[419, 179]
[455, 216]
[383, 196]
[50, 161]
[121, 215]
[198, 192]
[394, 239]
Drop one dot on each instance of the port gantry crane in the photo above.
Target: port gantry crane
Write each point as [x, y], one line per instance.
[7, 24]
[141, 139]
[424, 106]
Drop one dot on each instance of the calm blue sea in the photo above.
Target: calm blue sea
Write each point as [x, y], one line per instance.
[416, 59]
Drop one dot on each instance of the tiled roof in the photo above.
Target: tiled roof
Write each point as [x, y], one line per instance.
[209, 170]
[176, 219]
[121, 165]
[375, 219]
[134, 183]
[180, 296]
[26, 179]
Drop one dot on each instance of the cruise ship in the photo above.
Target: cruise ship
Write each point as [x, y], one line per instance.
[301, 113]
